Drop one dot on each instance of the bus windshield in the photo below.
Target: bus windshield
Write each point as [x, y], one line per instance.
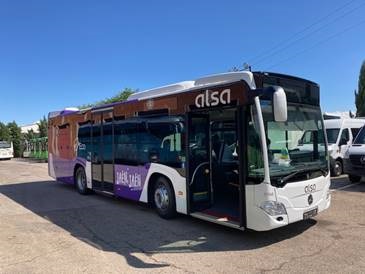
[4, 144]
[295, 145]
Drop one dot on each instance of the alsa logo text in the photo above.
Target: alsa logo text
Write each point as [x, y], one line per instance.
[213, 98]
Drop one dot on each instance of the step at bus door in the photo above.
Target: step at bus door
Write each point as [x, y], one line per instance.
[199, 162]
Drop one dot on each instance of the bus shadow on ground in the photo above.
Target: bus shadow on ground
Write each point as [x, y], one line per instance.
[127, 228]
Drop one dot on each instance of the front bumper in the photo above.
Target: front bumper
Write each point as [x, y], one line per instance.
[296, 204]
[6, 156]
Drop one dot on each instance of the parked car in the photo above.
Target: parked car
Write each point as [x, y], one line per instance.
[354, 160]
[340, 135]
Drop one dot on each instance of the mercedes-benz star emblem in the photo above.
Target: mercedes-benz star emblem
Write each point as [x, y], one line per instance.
[310, 199]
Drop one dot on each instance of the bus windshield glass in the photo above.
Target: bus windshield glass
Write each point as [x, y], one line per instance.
[4, 144]
[295, 146]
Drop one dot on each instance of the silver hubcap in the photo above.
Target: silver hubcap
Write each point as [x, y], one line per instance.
[338, 168]
[161, 197]
[81, 180]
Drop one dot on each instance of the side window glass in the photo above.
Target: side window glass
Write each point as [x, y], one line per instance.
[164, 140]
[84, 141]
[254, 152]
[126, 136]
[107, 143]
[345, 135]
[354, 132]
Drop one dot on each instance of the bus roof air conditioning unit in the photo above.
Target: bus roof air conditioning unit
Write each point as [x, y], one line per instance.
[225, 78]
[161, 91]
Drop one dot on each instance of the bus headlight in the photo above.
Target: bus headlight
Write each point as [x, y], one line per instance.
[273, 208]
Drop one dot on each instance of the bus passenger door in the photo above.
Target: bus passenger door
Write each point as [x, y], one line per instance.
[96, 152]
[102, 151]
[199, 167]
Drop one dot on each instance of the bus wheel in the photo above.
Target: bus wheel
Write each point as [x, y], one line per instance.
[354, 178]
[337, 169]
[164, 198]
[80, 178]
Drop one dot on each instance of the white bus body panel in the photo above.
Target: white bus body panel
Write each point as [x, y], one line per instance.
[294, 198]
[178, 183]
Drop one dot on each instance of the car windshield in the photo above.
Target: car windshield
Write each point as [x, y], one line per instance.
[332, 135]
[295, 145]
[360, 138]
[4, 144]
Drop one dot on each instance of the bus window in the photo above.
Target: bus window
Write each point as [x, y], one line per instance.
[84, 144]
[107, 144]
[126, 149]
[254, 153]
[164, 139]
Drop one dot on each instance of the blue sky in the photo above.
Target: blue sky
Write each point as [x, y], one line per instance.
[55, 54]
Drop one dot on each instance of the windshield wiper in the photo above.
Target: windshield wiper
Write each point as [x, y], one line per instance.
[291, 175]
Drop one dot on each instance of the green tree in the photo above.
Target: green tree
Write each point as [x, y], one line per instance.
[119, 97]
[43, 127]
[26, 137]
[360, 94]
[15, 136]
[30, 135]
[4, 132]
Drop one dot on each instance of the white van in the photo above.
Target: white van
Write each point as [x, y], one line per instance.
[354, 160]
[340, 134]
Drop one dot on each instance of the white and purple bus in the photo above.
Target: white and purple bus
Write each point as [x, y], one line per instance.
[224, 148]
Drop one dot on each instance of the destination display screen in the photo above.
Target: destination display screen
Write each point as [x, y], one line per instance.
[297, 90]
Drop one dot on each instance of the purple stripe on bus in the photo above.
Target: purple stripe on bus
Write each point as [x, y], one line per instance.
[67, 112]
[63, 168]
[129, 181]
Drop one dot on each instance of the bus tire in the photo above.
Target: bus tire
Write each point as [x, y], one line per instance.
[164, 198]
[354, 178]
[80, 181]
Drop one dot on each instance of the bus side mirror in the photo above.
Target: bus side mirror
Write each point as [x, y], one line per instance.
[280, 107]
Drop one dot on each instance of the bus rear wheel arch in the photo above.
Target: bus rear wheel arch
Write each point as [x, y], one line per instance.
[161, 196]
[80, 180]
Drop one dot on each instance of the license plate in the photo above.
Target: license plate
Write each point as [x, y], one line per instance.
[311, 213]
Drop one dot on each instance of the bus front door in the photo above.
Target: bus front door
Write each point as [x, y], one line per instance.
[199, 161]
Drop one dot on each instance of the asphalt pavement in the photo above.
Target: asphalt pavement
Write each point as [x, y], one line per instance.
[47, 227]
